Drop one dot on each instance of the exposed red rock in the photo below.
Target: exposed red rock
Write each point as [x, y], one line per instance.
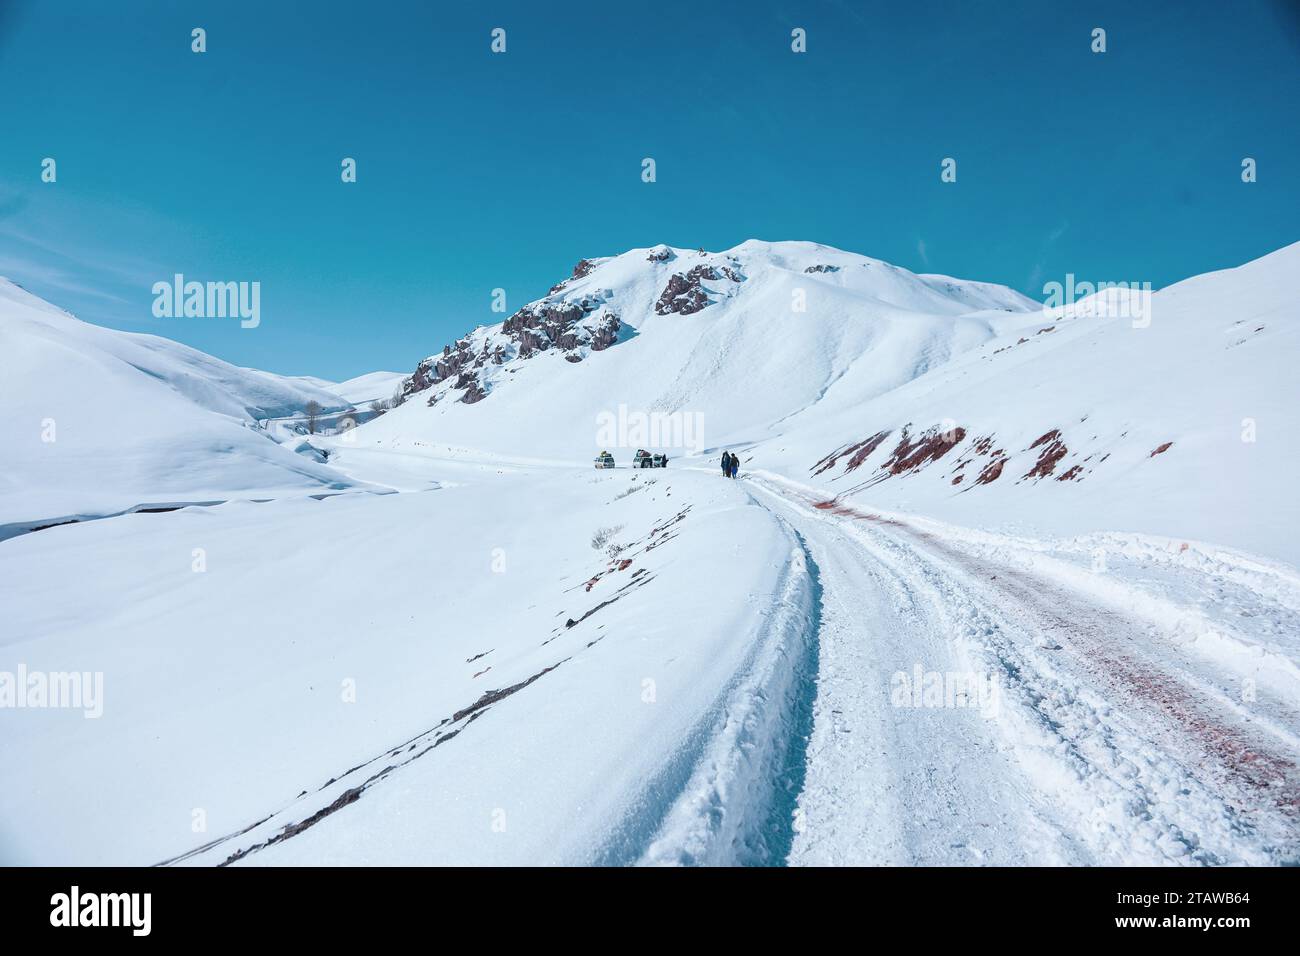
[1162, 449]
[1053, 451]
[860, 451]
[992, 471]
[863, 452]
[929, 446]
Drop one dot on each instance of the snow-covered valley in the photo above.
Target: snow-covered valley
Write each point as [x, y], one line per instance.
[995, 585]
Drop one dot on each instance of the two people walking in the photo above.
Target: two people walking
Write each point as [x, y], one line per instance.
[730, 465]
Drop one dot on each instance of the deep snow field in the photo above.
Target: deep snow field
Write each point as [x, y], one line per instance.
[427, 603]
[996, 585]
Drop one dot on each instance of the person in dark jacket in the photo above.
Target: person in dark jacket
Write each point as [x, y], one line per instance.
[735, 465]
[726, 464]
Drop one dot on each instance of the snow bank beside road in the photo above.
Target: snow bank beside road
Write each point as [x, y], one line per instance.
[515, 691]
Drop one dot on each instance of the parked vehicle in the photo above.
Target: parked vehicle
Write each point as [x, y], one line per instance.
[642, 459]
[604, 460]
[660, 461]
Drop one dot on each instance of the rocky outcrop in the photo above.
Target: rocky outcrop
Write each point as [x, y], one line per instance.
[931, 445]
[606, 333]
[1053, 451]
[573, 324]
[684, 295]
[536, 328]
[583, 268]
[539, 327]
[822, 268]
[859, 452]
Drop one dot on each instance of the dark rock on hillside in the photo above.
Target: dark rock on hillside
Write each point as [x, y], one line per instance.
[583, 268]
[1053, 451]
[684, 294]
[536, 328]
[605, 334]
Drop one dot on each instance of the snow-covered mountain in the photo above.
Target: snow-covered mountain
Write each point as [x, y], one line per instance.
[98, 421]
[745, 338]
[960, 399]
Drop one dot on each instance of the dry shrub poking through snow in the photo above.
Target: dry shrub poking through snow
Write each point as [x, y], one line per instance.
[602, 539]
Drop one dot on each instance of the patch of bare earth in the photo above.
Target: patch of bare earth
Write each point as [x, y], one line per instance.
[1053, 451]
[992, 471]
[859, 452]
[931, 445]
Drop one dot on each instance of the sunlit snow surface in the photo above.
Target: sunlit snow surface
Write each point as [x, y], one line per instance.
[411, 652]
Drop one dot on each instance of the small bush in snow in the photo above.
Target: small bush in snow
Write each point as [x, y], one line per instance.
[603, 538]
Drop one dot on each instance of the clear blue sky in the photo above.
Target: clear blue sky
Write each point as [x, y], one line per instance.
[479, 170]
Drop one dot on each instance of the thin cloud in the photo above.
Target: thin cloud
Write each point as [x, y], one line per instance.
[1036, 274]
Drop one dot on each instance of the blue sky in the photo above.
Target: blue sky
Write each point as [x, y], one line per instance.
[478, 171]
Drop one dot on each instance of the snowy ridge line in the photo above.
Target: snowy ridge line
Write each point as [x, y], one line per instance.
[745, 759]
[1171, 775]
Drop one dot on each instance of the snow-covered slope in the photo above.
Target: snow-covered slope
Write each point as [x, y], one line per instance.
[740, 340]
[1178, 423]
[97, 421]
[367, 388]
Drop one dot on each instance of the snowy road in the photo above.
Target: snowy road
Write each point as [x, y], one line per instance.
[1091, 731]
[759, 675]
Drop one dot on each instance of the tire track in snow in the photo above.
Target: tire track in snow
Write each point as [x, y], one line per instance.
[1154, 770]
[903, 785]
[729, 797]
